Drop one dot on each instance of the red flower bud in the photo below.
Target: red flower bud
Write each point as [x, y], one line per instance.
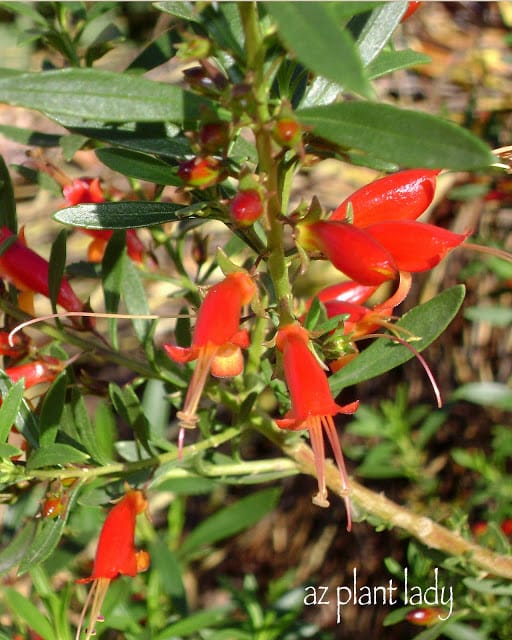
[287, 132]
[246, 207]
[426, 616]
[351, 250]
[403, 195]
[214, 136]
[201, 172]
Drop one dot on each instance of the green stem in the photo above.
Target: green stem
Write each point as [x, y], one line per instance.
[268, 167]
[124, 468]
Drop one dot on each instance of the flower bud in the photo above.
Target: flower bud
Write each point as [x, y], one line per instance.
[201, 172]
[287, 132]
[246, 207]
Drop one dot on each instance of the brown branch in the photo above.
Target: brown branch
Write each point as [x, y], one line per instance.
[422, 528]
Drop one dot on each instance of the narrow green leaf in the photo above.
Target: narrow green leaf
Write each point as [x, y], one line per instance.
[426, 321]
[230, 520]
[29, 613]
[185, 10]
[147, 137]
[124, 215]
[9, 410]
[157, 52]
[51, 410]
[12, 554]
[487, 394]
[169, 570]
[495, 315]
[29, 136]
[57, 266]
[109, 96]
[128, 406]
[55, 455]
[378, 29]
[112, 267]
[389, 61]
[48, 534]
[196, 622]
[105, 433]
[406, 137]
[8, 216]
[26, 420]
[85, 431]
[311, 32]
[134, 296]
[138, 165]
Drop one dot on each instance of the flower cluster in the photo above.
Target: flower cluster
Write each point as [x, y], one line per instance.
[373, 237]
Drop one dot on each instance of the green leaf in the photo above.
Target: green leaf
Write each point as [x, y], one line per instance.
[183, 10]
[378, 29]
[311, 32]
[389, 61]
[87, 434]
[128, 406]
[49, 532]
[29, 613]
[108, 96]
[426, 321]
[57, 265]
[29, 136]
[112, 268]
[13, 553]
[230, 520]
[196, 622]
[26, 420]
[134, 296]
[147, 137]
[54, 455]
[487, 394]
[124, 215]
[8, 216]
[105, 433]
[9, 410]
[51, 410]
[406, 137]
[495, 315]
[169, 570]
[138, 165]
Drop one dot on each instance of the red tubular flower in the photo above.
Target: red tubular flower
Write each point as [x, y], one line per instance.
[28, 271]
[36, 372]
[115, 555]
[351, 250]
[313, 406]
[217, 340]
[415, 246]
[403, 195]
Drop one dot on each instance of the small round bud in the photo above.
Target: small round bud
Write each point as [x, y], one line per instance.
[201, 172]
[425, 616]
[214, 136]
[287, 132]
[246, 207]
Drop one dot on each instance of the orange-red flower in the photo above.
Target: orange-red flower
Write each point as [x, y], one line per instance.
[313, 406]
[115, 555]
[374, 234]
[404, 195]
[217, 340]
[28, 272]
